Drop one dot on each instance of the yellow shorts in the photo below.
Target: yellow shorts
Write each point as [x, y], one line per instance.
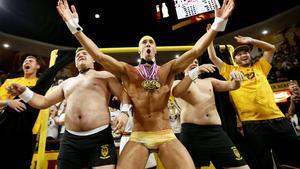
[152, 139]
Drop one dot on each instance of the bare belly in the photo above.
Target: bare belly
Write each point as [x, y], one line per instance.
[86, 121]
[154, 123]
[201, 118]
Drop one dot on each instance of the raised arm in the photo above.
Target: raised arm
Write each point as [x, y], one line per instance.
[221, 18]
[35, 100]
[268, 49]
[71, 19]
[191, 74]
[223, 86]
[213, 56]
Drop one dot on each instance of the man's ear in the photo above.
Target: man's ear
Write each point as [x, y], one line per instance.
[38, 67]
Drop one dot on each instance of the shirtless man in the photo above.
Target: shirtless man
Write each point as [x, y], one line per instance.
[201, 130]
[87, 141]
[148, 85]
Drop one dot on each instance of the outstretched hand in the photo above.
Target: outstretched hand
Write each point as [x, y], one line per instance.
[15, 89]
[243, 40]
[226, 9]
[206, 68]
[65, 12]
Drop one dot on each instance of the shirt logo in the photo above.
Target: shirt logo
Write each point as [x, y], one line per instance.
[250, 75]
[104, 152]
[236, 153]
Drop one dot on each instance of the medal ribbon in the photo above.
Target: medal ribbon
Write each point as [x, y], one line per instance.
[148, 75]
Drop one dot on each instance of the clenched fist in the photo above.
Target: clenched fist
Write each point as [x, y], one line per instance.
[15, 89]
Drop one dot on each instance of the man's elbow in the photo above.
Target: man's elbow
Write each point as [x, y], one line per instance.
[41, 105]
[272, 48]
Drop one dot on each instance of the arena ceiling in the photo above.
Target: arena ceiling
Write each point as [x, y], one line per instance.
[34, 26]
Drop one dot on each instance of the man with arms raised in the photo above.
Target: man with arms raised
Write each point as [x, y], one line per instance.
[87, 141]
[201, 130]
[264, 125]
[148, 86]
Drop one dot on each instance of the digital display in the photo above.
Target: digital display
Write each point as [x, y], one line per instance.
[188, 8]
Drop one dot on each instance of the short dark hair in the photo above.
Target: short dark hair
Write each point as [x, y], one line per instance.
[37, 58]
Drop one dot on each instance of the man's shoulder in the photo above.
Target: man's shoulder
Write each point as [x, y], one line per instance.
[14, 80]
[205, 81]
[105, 74]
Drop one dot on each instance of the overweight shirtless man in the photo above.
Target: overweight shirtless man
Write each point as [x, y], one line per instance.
[87, 141]
[201, 130]
[148, 86]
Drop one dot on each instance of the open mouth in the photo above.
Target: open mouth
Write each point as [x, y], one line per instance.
[148, 51]
[244, 59]
[26, 67]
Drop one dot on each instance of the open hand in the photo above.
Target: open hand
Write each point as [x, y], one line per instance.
[206, 68]
[65, 12]
[226, 9]
[17, 105]
[243, 40]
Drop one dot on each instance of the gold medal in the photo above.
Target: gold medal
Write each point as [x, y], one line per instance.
[150, 76]
[151, 84]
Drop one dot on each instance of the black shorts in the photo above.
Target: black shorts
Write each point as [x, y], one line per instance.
[276, 134]
[207, 143]
[77, 152]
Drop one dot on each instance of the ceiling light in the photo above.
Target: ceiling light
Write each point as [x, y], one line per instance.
[264, 32]
[6, 45]
[97, 16]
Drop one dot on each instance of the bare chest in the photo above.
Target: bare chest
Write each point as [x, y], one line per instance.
[83, 85]
[201, 90]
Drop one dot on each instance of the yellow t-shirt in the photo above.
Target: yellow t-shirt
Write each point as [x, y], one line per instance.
[254, 100]
[21, 80]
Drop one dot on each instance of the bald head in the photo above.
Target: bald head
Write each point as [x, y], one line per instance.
[145, 38]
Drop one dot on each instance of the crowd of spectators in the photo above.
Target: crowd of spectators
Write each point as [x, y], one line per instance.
[285, 64]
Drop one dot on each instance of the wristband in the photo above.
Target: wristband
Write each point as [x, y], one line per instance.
[26, 95]
[193, 74]
[126, 109]
[73, 25]
[219, 24]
